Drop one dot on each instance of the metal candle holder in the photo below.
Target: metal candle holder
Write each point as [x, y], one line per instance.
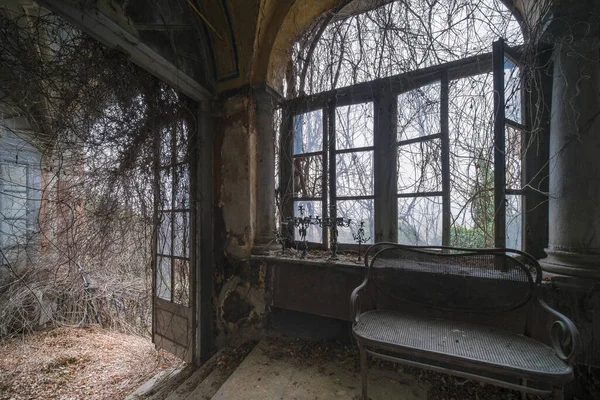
[333, 224]
[360, 237]
[302, 222]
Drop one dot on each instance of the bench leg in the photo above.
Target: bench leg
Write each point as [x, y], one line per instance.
[363, 371]
[523, 382]
[557, 393]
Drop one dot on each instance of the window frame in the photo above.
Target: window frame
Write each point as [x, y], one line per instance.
[383, 94]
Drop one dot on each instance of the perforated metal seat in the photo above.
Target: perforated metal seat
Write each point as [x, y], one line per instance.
[458, 341]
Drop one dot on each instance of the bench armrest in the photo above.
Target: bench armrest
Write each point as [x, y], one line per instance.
[563, 334]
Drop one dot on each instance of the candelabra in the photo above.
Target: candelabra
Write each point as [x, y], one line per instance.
[302, 222]
[333, 224]
[360, 237]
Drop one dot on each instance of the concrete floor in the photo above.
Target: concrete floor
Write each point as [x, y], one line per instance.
[265, 376]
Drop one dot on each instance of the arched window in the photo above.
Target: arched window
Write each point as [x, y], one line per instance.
[391, 122]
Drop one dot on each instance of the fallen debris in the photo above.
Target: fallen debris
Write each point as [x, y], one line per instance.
[78, 363]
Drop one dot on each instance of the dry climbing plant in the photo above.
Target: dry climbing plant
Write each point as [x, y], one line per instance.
[93, 118]
[342, 50]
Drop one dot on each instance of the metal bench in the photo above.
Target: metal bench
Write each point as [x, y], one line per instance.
[465, 312]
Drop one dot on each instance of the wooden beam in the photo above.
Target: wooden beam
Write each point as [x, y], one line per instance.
[105, 30]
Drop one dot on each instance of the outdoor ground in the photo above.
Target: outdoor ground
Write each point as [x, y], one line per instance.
[77, 363]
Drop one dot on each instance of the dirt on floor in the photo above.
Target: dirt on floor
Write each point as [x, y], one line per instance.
[442, 386]
[77, 363]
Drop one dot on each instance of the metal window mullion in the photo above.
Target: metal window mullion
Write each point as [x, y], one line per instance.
[331, 107]
[324, 180]
[445, 139]
[385, 163]
[366, 197]
[419, 194]
[355, 150]
[174, 183]
[499, 145]
[419, 139]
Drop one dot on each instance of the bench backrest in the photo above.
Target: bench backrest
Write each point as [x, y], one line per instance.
[453, 279]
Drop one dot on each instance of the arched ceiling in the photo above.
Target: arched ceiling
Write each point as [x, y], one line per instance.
[228, 44]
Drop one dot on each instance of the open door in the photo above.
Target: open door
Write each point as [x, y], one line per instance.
[175, 258]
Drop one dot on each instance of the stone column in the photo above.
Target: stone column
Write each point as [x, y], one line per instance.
[574, 184]
[265, 99]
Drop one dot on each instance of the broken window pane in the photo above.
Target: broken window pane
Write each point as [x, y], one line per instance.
[420, 220]
[471, 121]
[181, 290]
[163, 278]
[308, 176]
[419, 112]
[357, 211]
[181, 229]
[354, 126]
[420, 167]
[163, 243]
[308, 132]
[354, 174]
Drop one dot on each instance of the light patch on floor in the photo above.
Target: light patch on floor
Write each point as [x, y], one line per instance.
[262, 376]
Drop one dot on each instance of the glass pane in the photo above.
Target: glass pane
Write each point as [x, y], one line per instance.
[514, 141]
[163, 278]
[308, 132]
[308, 176]
[14, 177]
[514, 221]
[420, 220]
[354, 174]
[14, 205]
[420, 167]
[166, 146]
[182, 189]
[165, 189]
[310, 208]
[163, 244]
[512, 90]
[354, 126]
[181, 293]
[357, 211]
[181, 244]
[14, 233]
[419, 112]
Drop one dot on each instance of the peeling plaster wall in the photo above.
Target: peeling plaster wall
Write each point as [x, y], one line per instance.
[241, 302]
[239, 295]
[235, 134]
